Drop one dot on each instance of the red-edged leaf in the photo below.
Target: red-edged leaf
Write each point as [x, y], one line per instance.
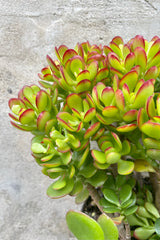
[154, 48]
[117, 142]
[74, 101]
[151, 129]
[127, 128]
[146, 90]
[142, 117]
[69, 53]
[158, 104]
[119, 97]
[22, 127]
[130, 115]
[129, 61]
[105, 120]
[155, 61]
[77, 64]
[138, 41]
[140, 57]
[130, 79]
[41, 100]
[27, 116]
[83, 75]
[97, 94]
[53, 66]
[68, 121]
[98, 156]
[110, 111]
[115, 62]
[89, 115]
[118, 40]
[102, 74]
[60, 51]
[150, 107]
[116, 49]
[98, 134]
[107, 50]
[43, 117]
[93, 69]
[107, 96]
[83, 86]
[151, 73]
[113, 157]
[92, 130]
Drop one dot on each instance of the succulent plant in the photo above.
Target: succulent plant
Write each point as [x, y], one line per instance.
[96, 125]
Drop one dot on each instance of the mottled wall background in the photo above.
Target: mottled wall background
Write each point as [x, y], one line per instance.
[29, 30]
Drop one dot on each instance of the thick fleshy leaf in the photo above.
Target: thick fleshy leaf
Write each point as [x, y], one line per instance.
[130, 115]
[151, 129]
[127, 128]
[116, 49]
[102, 74]
[78, 186]
[129, 61]
[75, 101]
[150, 107]
[154, 153]
[77, 64]
[93, 69]
[59, 184]
[110, 111]
[130, 79]
[60, 51]
[52, 193]
[98, 156]
[151, 143]
[43, 117]
[104, 145]
[131, 210]
[112, 157]
[83, 86]
[115, 62]
[82, 196]
[151, 73]
[125, 167]
[69, 53]
[152, 209]
[140, 57]
[143, 233]
[145, 91]
[98, 179]
[92, 130]
[98, 134]
[68, 121]
[22, 127]
[84, 157]
[143, 166]
[119, 97]
[41, 100]
[83, 75]
[125, 193]
[27, 117]
[155, 61]
[107, 96]
[111, 196]
[15, 105]
[116, 141]
[89, 115]
[109, 228]
[138, 41]
[157, 226]
[52, 65]
[158, 104]
[142, 117]
[107, 50]
[154, 48]
[83, 227]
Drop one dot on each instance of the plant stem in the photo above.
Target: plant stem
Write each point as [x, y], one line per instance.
[155, 180]
[94, 195]
[128, 231]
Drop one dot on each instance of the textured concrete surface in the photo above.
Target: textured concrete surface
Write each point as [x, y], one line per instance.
[28, 31]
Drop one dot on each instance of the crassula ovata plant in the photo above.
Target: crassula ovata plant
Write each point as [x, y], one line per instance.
[95, 121]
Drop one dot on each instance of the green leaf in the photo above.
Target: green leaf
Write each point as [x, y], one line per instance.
[98, 156]
[125, 167]
[108, 227]
[130, 210]
[52, 193]
[111, 196]
[143, 233]
[38, 148]
[83, 227]
[157, 226]
[125, 193]
[151, 129]
[82, 196]
[152, 209]
[98, 179]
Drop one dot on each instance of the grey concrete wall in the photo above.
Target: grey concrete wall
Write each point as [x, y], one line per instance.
[28, 31]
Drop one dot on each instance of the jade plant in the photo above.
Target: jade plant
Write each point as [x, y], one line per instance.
[95, 120]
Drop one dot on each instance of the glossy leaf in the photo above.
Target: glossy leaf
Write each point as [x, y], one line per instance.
[98, 156]
[157, 226]
[108, 227]
[111, 196]
[84, 227]
[151, 129]
[143, 166]
[143, 233]
[92, 130]
[130, 79]
[125, 193]
[125, 167]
